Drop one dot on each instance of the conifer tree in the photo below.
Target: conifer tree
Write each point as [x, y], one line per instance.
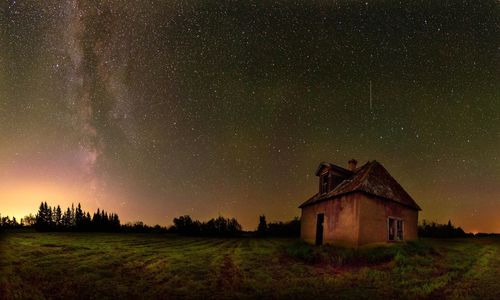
[262, 228]
[39, 223]
[79, 217]
[58, 217]
[48, 216]
[73, 222]
[66, 223]
[96, 220]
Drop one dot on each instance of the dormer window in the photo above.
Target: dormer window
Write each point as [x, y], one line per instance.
[324, 183]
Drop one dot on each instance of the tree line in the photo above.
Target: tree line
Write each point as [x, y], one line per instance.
[74, 219]
[436, 230]
[279, 229]
[8, 223]
[219, 226]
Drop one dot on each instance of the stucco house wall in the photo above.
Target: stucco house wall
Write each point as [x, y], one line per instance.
[356, 219]
[374, 213]
[341, 224]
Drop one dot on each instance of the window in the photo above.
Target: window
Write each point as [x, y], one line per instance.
[324, 183]
[394, 229]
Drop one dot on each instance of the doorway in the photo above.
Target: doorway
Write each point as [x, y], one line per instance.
[319, 229]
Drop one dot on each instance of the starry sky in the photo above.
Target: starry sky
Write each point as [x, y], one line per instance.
[155, 109]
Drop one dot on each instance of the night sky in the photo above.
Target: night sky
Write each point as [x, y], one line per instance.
[155, 109]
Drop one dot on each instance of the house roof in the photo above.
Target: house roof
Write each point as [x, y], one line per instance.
[371, 178]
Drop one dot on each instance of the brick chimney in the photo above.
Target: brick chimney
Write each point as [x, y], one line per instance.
[352, 164]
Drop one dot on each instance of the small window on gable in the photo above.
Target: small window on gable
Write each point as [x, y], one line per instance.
[324, 183]
[394, 229]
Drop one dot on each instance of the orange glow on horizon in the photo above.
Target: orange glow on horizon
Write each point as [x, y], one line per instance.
[20, 199]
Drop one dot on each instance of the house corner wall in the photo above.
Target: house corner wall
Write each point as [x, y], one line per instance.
[373, 215]
[341, 224]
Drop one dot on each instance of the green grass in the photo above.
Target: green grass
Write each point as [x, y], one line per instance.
[146, 266]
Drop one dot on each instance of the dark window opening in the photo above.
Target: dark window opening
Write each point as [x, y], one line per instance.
[399, 228]
[394, 229]
[324, 184]
[335, 181]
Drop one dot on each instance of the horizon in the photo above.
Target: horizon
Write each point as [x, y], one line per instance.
[156, 110]
[205, 220]
[123, 222]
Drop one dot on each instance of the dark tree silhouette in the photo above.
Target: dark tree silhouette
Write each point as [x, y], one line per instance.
[44, 217]
[262, 228]
[436, 230]
[29, 220]
[73, 219]
[58, 217]
[214, 227]
[7, 223]
[284, 229]
[66, 220]
[185, 225]
[79, 217]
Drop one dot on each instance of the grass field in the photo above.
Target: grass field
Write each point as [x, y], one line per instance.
[118, 266]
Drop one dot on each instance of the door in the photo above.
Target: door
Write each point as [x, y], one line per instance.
[319, 229]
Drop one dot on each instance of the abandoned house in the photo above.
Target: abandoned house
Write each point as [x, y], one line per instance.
[358, 206]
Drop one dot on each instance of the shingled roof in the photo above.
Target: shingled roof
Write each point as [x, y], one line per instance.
[371, 178]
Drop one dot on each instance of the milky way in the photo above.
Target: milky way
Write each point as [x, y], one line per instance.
[164, 108]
